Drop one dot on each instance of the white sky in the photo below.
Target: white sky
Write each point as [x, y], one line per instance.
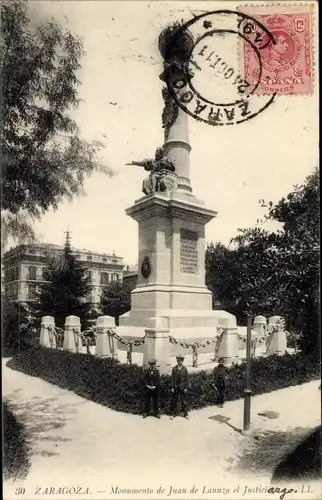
[231, 167]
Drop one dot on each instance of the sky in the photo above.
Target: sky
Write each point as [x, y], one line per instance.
[231, 167]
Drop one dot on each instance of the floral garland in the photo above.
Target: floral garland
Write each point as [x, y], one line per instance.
[79, 338]
[90, 336]
[196, 345]
[129, 344]
[58, 334]
[254, 342]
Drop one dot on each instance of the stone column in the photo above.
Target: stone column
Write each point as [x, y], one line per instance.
[259, 325]
[106, 345]
[47, 339]
[228, 347]
[69, 335]
[277, 343]
[157, 343]
[177, 148]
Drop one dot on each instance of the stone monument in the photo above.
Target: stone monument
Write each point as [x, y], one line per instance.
[171, 296]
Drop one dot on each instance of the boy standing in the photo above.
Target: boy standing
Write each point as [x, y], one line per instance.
[151, 378]
[179, 387]
[220, 379]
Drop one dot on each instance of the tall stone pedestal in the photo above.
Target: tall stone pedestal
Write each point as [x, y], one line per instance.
[172, 237]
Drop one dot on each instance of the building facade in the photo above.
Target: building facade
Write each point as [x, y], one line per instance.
[130, 276]
[24, 267]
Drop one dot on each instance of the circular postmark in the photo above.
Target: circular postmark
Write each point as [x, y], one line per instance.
[209, 83]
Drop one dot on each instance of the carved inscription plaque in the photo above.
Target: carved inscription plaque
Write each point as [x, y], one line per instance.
[188, 251]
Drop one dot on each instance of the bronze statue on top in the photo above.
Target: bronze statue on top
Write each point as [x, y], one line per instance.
[162, 176]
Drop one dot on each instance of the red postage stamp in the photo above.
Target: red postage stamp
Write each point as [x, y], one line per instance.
[284, 65]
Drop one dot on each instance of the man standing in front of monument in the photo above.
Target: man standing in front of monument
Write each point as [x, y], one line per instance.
[151, 378]
[179, 387]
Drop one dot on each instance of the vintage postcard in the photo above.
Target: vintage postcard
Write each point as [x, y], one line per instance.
[160, 250]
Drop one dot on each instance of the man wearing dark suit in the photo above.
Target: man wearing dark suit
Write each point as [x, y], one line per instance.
[151, 378]
[179, 387]
[220, 380]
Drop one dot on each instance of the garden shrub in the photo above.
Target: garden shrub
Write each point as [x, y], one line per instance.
[119, 386]
[15, 448]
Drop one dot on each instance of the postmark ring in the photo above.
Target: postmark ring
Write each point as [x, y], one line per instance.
[183, 96]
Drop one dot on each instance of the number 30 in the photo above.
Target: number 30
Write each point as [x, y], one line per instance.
[20, 491]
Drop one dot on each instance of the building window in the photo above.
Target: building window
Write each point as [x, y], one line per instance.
[43, 273]
[32, 291]
[114, 277]
[104, 279]
[90, 276]
[14, 290]
[11, 274]
[89, 257]
[32, 273]
[104, 259]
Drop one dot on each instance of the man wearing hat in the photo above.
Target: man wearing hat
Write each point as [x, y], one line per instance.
[220, 379]
[179, 387]
[151, 378]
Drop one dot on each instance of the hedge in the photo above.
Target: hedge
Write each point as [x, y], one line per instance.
[119, 386]
[15, 448]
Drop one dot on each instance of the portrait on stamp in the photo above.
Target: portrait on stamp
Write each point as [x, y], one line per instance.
[288, 62]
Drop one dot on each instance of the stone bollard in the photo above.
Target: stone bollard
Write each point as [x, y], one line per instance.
[157, 343]
[71, 341]
[106, 345]
[259, 325]
[229, 346]
[47, 339]
[277, 343]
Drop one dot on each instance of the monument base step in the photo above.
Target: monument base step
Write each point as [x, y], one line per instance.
[196, 323]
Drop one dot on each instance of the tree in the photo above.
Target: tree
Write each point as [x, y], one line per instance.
[116, 299]
[17, 330]
[66, 291]
[43, 157]
[238, 278]
[278, 271]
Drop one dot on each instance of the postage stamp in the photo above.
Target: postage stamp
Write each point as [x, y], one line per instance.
[287, 63]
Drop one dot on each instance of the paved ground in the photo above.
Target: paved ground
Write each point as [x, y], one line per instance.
[78, 442]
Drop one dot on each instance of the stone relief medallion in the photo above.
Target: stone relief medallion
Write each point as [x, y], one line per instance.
[146, 267]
